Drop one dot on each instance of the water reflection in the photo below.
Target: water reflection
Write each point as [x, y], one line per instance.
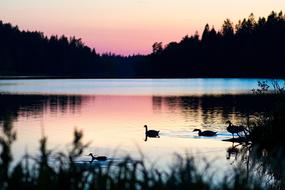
[208, 107]
[115, 122]
[36, 105]
[233, 151]
[212, 109]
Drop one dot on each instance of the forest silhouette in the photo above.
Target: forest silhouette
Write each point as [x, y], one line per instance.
[251, 48]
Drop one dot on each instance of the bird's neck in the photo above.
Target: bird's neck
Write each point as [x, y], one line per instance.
[92, 156]
[199, 131]
[145, 128]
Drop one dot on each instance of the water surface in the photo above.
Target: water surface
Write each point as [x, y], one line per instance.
[167, 87]
[112, 114]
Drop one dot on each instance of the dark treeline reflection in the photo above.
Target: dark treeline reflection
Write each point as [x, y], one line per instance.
[251, 48]
[13, 106]
[210, 107]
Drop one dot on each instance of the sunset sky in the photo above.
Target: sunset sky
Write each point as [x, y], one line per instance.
[128, 26]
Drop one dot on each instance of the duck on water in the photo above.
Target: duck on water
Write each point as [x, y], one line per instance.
[151, 133]
[98, 158]
[205, 133]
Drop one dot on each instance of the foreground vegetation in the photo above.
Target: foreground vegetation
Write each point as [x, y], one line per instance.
[64, 172]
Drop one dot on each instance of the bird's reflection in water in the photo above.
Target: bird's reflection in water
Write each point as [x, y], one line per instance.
[233, 151]
[147, 136]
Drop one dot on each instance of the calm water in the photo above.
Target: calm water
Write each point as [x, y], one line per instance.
[112, 114]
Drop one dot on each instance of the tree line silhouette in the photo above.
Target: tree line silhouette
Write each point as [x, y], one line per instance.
[251, 48]
[32, 53]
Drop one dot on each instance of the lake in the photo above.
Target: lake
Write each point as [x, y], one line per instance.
[112, 114]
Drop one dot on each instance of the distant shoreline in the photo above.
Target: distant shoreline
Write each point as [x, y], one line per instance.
[252, 49]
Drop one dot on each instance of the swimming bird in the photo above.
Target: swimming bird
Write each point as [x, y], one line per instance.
[205, 133]
[99, 158]
[235, 129]
[151, 133]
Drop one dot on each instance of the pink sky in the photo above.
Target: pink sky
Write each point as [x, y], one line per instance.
[128, 26]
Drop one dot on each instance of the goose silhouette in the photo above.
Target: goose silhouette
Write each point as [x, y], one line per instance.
[205, 133]
[151, 133]
[99, 158]
[235, 129]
